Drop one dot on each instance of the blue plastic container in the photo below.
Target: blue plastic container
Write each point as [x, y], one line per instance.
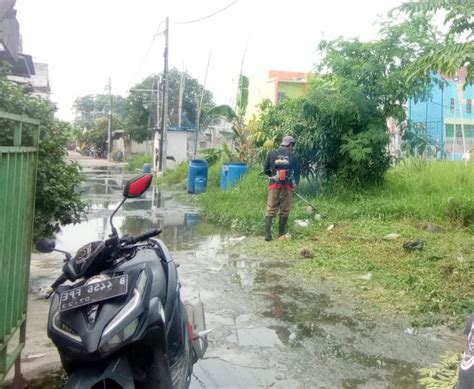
[200, 184]
[235, 171]
[197, 168]
[224, 171]
[147, 168]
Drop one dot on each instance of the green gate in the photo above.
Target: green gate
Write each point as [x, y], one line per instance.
[19, 137]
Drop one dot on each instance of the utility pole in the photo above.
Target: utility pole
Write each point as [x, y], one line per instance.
[109, 143]
[181, 96]
[199, 109]
[157, 125]
[164, 116]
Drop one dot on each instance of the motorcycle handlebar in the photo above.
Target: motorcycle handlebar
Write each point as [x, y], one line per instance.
[142, 237]
[60, 280]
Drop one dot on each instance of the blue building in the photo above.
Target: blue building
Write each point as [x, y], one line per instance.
[445, 113]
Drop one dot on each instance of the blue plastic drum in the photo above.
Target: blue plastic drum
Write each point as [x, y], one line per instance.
[197, 168]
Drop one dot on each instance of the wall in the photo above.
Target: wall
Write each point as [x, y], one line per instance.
[292, 89]
[430, 113]
[177, 147]
[445, 111]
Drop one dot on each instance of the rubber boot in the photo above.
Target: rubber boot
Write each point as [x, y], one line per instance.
[282, 225]
[268, 228]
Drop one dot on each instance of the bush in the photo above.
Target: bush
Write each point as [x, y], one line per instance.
[460, 211]
[175, 176]
[137, 161]
[57, 202]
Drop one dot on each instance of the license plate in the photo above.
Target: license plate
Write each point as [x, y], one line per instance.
[93, 293]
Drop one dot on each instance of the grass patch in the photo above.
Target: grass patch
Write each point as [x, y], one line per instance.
[137, 161]
[433, 285]
[175, 176]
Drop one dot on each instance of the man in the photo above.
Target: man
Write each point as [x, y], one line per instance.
[283, 168]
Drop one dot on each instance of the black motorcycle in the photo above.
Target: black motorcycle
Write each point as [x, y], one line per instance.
[120, 322]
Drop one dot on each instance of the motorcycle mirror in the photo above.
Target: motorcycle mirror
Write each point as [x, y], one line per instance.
[137, 186]
[44, 245]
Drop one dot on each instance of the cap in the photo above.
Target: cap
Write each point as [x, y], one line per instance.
[287, 140]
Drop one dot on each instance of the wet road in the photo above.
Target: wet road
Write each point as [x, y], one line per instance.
[271, 328]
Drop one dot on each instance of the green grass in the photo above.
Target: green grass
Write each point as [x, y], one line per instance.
[434, 285]
[175, 176]
[137, 161]
[437, 191]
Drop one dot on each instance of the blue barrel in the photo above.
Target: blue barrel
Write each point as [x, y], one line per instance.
[147, 168]
[234, 172]
[200, 184]
[224, 171]
[197, 168]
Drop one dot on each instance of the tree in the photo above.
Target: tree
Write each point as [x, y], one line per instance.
[141, 103]
[340, 126]
[457, 48]
[57, 201]
[96, 134]
[91, 107]
[239, 127]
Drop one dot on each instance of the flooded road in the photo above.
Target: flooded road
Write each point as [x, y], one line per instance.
[271, 327]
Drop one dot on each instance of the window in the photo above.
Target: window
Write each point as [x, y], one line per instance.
[468, 105]
[281, 96]
[468, 131]
[452, 105]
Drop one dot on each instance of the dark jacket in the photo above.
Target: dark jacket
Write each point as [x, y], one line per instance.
[294, 163]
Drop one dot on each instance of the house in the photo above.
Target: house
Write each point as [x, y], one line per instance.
[448, 114]
[10, 41]
[38, 82]
[23, 71]
[276, 86]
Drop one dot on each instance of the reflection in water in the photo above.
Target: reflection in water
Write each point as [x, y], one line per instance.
[155, 209]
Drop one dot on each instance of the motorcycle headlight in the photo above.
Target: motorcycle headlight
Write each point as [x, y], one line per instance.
[127, 311]
[122, 336]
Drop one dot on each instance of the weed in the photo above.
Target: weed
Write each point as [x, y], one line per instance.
[137, 161]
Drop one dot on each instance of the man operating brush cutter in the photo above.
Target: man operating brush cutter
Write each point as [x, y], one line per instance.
[282, 166]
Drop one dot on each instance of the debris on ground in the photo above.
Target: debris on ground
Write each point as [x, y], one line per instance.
[410, 331]
[365, 277]
[285, 237]
[238, 239]
[302, 223]
[413, 245]
[443, 374]
[318, 217]
[392, 236]
[331, 227]
[34, 356]
[310, 210]
[307, 253]
[434, 228]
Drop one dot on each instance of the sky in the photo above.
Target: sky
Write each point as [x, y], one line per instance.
[87, 41]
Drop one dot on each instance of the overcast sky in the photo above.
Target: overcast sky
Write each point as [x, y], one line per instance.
[86, 41]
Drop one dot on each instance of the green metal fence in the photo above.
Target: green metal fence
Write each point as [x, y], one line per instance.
[19, 137]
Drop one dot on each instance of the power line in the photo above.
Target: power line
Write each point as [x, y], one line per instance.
[145, 57]
[208, 16]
